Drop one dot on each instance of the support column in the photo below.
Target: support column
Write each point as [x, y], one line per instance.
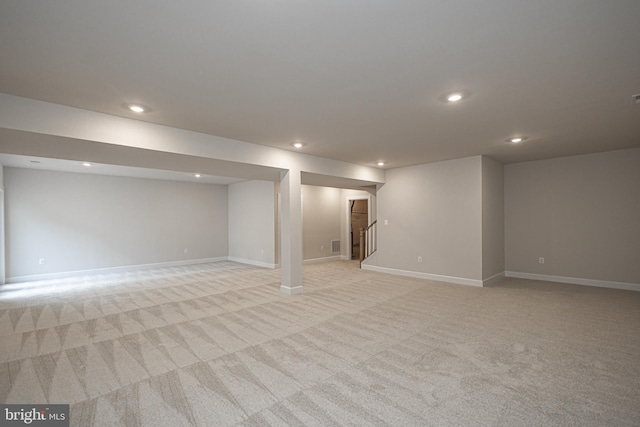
[291, 232]
[3, 273]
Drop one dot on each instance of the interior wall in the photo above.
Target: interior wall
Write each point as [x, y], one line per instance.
[434, 211]
[581, 214]
[252, 230]
[80, 221]
[492, 218]
[321, 215]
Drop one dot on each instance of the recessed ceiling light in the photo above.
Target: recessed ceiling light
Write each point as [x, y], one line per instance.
[197, 175]
[138, 108]
[35, 161]
[516, 139]
[298, 144]
[380, 163]
[87, 164]
[454, 97]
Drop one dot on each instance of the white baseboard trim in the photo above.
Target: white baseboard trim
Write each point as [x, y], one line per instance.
[575, 281]
[428, 276]
[325, 259]
[107, 270]
[252, 262]
[493, 278]
[291, 291]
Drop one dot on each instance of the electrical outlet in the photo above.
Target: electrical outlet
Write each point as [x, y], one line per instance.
[262, 251]
[419, 259]
[186, 250]
[541, 260]
[386, 222]
[41, 261]
[321, 248]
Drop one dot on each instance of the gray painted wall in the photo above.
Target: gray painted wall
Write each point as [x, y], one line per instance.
[252, 222]
[321, 213]
[581, 213]
[434, 211]
[492, 218]
[83, 221]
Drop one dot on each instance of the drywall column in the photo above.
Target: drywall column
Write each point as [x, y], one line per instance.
[291, 232]
[3, 274]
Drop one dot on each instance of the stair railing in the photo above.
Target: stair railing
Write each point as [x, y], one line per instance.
[368, 241]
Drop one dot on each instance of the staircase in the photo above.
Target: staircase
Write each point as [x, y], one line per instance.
[368, 241]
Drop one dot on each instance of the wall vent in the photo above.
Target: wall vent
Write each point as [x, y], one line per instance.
[335, 246]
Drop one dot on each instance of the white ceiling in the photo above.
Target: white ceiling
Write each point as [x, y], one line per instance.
[358, 81]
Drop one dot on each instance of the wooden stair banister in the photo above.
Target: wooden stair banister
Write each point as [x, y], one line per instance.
[368, 241]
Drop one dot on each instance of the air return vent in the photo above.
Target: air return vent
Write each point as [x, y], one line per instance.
[335, 246]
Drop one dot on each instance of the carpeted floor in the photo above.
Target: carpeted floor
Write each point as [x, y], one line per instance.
[218, 344]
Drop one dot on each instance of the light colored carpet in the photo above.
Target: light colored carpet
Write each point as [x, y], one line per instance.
[218, 344]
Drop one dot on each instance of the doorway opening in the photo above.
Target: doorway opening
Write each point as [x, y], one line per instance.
[358, 219]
